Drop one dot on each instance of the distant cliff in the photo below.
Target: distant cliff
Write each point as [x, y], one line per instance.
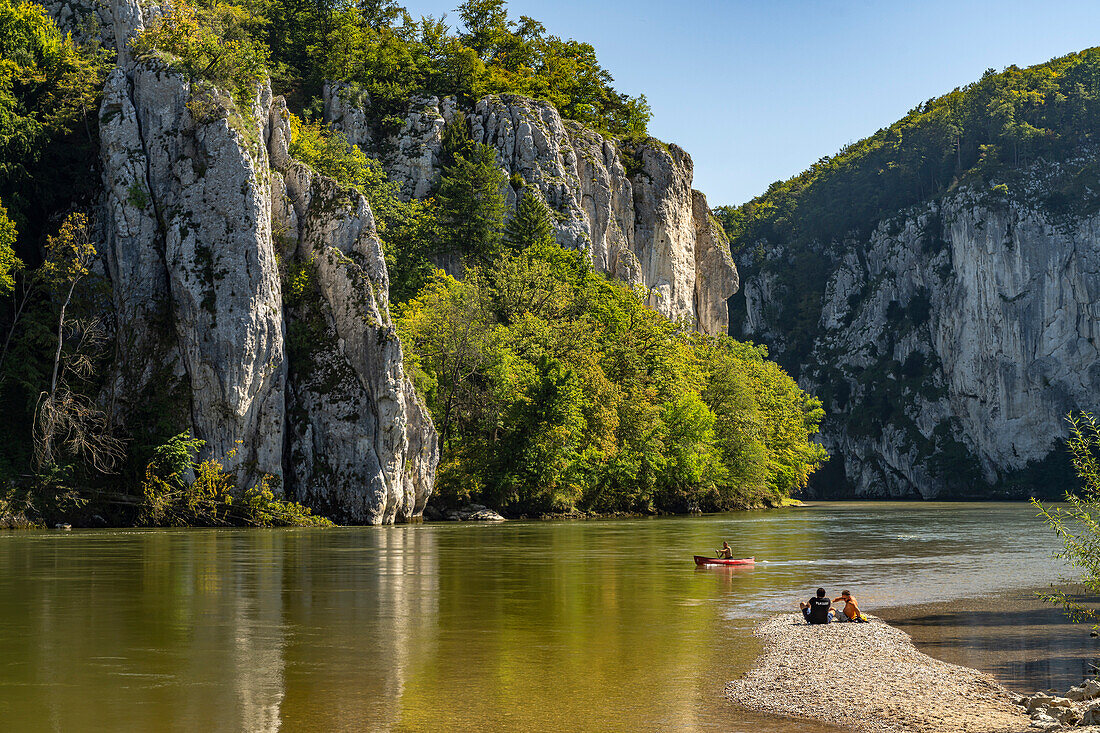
[948, 345]
[937, 285]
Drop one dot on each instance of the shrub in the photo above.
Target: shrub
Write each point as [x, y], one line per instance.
[171, 497]
[212, 42]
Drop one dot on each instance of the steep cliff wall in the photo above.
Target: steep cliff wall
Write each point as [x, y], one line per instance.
[633, 211]
[950, 345]
[200, 194]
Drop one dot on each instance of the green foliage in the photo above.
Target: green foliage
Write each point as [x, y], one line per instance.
[381, 50]
[471, 205]
[48, 99]
[179, 492]
[1077, 523]
[410, 231]
[556, 389]
[410, 242]
[329, 153]
[299, 282]
[530, 224]
[212, 41]
[9, 263]
[69, 254]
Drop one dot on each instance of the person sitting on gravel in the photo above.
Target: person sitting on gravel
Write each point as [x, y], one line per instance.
[851, 611]
[726, 553]
[818, 610]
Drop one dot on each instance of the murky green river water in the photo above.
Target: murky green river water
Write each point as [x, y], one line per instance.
[566, 626]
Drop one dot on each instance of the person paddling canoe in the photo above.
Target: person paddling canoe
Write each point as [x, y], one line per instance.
[725, 553]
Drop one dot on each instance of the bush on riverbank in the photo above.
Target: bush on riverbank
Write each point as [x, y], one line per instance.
[171, 497]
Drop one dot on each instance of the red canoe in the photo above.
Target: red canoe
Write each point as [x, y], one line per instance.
[700, 560]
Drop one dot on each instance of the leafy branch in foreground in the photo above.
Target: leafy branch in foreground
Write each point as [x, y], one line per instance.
[1078, 524]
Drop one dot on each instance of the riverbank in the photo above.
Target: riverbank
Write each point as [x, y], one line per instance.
[869, 678]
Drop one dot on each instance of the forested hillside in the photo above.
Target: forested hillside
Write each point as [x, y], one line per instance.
[883, 235]
[553, 387]
[988, 131]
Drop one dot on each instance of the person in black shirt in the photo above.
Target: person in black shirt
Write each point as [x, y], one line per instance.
[817, 609]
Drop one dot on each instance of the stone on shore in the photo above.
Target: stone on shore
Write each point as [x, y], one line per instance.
[474, 513]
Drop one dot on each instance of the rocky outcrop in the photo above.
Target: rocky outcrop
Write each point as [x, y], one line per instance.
[190, 209]
[198, 195]
[362, 445]
[950, 346]
[715, 272]
[1079, 707]
[632, 211]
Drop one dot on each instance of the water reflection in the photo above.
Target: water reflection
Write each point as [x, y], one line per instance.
[535, 626]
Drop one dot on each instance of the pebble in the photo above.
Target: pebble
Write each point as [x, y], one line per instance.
[869, 678]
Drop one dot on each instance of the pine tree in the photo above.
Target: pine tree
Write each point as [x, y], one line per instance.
[531, 223]
[471, 205]
[456, 142]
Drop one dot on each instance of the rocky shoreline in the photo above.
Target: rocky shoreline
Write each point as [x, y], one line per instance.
[870, 678]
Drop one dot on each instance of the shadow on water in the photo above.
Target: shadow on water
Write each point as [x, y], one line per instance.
[1026, 643]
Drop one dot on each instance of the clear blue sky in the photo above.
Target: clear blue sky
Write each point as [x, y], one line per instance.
[757, 91]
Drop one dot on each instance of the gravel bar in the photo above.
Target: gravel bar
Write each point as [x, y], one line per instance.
[869, 678]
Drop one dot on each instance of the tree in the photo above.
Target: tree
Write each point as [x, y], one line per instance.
[1078, 524]
[471, 205]
[456, 142]
[555, 388]
[486, 23]
[64, 414]
[215, 42]
[381, 13]
[531, 223]
[9, 263]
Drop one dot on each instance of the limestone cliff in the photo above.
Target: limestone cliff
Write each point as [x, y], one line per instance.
[949, 346]
[632, 210]
[204, 206]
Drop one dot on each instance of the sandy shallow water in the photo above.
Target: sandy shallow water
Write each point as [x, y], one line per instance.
[1025, 643]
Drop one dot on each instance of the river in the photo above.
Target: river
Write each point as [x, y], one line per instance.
[564, 625]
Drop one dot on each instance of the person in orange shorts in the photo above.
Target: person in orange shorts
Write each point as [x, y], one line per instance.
[851, 611]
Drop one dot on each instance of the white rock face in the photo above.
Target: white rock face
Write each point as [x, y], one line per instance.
[209, 186]
[643, 228]
[362, 445]
[714, 268]
[134, 254]
[953, 343]
[191, 251]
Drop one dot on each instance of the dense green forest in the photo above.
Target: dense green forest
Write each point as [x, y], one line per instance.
[554, 388]
[581, 397]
